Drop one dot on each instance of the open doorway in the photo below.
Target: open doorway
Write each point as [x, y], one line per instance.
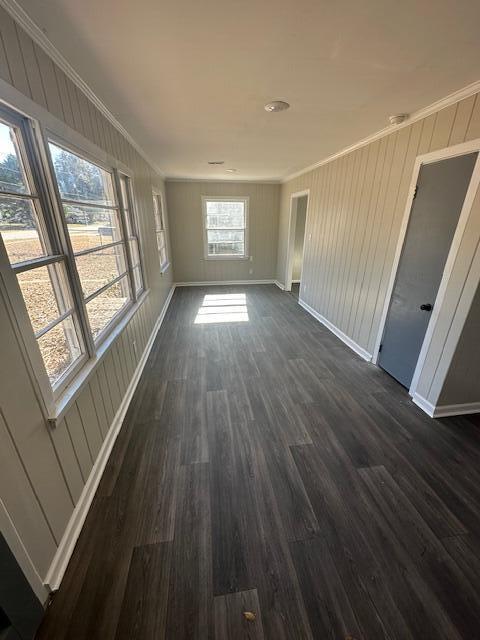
[296, 241]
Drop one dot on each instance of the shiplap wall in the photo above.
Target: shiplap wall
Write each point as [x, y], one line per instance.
[43, 470]
[462, 383]
[184, 200]
[356, 206]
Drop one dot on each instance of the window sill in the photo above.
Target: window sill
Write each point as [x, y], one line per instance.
[63, 403]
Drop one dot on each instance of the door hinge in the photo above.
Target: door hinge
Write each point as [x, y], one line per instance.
[380, 348]
[415, 192]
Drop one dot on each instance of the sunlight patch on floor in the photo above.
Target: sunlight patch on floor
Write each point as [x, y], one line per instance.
[223, 307]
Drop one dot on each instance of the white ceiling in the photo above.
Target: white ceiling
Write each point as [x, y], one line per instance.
[188, 78]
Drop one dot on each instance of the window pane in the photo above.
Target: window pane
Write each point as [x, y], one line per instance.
[225, 236]
[89, 227]
[134, 252]
[45, 294]
[12, 174]
[79, 179]
[19, 229]
[157, 210]
[160, 240]
[100, 267]
[102, 309]
[137, 280]
[60, 348]
[126, 192]
[226, 249]
[230, 215]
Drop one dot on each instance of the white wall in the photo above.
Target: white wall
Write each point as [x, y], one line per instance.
[184, 201]
[42, 469]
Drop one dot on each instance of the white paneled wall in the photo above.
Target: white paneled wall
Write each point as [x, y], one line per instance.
[43, 470]
[355, 210]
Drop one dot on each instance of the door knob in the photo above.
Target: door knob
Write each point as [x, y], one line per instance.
[426, 307]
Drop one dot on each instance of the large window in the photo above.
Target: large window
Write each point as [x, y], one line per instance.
[94, 225]
[225, 228]
[69, 233]
[34, 252]
[159, 213]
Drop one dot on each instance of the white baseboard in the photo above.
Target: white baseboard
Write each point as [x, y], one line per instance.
[214, 283]
[426, 406]
[445, 410]
[75, 524]
[342, 336]
[279, 285]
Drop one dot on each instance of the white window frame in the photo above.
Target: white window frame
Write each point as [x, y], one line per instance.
[245, 229]
[131, 207]
[41, 128]
[93, 344]
[31, 144]
[162, 230]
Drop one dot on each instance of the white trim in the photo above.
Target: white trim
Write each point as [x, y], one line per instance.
[215, 283]
[435, 156]
[292, 222]
[22, 18]
[445, 410]
[363, 353]
[452, 98]
[246, 228]
[67, 544]
[296, 281]
[223, 180]
[279, 285]
[21, 555]
[442, 411]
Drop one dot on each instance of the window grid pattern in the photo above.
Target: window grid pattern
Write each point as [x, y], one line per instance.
[33, 251]
[92, 215]
[77, 266]
[225, 228]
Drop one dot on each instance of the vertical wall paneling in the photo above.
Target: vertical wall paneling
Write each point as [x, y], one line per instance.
[43, 470]
[356, 206]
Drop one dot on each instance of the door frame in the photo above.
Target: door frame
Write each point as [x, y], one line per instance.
[471, 146]
[292, 223]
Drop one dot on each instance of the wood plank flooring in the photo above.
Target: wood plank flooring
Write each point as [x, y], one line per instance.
[264, 468]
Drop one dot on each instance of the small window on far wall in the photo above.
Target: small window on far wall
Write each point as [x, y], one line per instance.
[159, 214]
[225, 228]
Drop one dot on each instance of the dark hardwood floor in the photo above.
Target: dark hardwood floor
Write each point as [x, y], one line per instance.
[263, 467]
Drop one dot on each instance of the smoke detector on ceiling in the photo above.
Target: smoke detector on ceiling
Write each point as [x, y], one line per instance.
[276, 105]
[398, 119]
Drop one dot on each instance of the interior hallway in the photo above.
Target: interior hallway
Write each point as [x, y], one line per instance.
[264, 467]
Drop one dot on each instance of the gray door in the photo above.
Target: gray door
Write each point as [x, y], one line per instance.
[440, 194]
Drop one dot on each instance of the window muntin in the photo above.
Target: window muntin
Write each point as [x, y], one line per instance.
[132, 233]
[95, 233]
[225, 225]
[34, 255]
[158, 211]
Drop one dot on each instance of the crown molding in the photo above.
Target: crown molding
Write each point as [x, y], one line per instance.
[452, 98]
[22, 18]
[223, 180]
